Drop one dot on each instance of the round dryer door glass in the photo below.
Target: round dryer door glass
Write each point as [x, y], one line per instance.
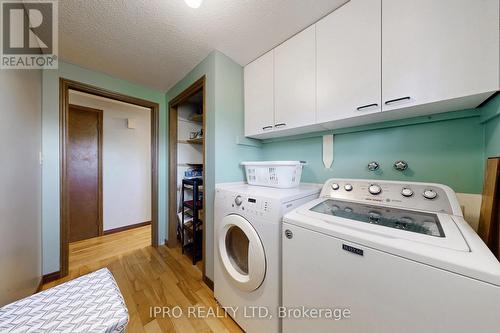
[242, 253]
[237, 249]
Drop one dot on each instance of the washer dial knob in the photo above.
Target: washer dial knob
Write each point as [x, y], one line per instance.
[406, 192]
[348, 187]
[238, 201]
[335, 186]
[429, 194]
[375, 189]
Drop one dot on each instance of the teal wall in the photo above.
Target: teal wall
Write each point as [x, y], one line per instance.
[50, 147]
[447, 151]
[223, 134]
[229, 127]
[491, 119]
[448, 148]
[492, 138]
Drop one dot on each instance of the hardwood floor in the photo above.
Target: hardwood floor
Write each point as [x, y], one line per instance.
[150, 277]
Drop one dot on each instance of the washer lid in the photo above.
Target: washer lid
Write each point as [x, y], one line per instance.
[410, 221]
[241, 253]
[377, 221]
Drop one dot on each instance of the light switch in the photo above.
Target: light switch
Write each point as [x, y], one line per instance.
[131, 123]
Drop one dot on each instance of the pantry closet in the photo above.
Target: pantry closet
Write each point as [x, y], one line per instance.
[186, 166]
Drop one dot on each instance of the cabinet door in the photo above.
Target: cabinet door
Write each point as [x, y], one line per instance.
[438, 50]
[259, 95]
[349, 61]
[295, 81]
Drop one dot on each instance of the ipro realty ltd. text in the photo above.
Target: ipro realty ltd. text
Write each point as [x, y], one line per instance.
[257, 312]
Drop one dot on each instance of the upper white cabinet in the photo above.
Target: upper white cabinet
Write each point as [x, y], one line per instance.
[259, 96]
[348, 44]
[439, 51]
[295, 81]
[405, 58]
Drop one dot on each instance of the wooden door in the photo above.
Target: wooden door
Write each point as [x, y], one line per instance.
[295, 81]
[348, 46]
[489, 219]
[259, 95]
[84, 172]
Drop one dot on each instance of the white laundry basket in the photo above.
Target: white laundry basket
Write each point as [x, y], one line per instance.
[280, 174]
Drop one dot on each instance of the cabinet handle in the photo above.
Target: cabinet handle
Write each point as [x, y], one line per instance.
[280, 125]
[265, 128]
[366, 106]
[392, 101]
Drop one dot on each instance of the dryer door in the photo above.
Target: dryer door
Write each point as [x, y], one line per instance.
[242, 253]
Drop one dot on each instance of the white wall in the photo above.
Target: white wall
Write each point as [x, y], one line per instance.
[20, 183]
[126, 160]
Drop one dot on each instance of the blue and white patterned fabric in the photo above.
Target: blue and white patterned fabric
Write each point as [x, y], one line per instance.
[91, 303]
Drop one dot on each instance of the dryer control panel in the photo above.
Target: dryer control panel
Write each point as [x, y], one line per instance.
[252, 205]
[262, 207]
[408, 195]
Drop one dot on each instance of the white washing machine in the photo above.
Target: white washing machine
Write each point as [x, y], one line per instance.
[247, 246]
[398, 256]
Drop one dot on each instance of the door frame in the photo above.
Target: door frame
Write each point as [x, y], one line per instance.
[64, 86]
[197, 86]
[100, 226]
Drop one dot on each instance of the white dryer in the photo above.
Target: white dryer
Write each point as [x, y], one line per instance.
[247, 246]
[399, 256]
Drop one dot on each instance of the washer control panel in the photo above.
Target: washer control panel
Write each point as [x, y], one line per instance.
[419, 196]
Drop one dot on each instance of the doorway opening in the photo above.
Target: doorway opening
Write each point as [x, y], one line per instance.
[187, 150]
[109, 174]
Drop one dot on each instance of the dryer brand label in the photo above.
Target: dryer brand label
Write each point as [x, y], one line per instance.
[354, 250]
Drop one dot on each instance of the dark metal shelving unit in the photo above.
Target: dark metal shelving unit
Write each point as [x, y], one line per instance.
[194, 247]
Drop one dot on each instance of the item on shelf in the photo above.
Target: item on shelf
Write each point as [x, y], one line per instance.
[197, 166]
[280, 174]
[196, 134]
[188, 222]
[197, 117]
[193, 173]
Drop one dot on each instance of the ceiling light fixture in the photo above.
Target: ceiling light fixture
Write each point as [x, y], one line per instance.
[193, 3]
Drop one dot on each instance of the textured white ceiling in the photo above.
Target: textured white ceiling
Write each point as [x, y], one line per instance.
[156, 42]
